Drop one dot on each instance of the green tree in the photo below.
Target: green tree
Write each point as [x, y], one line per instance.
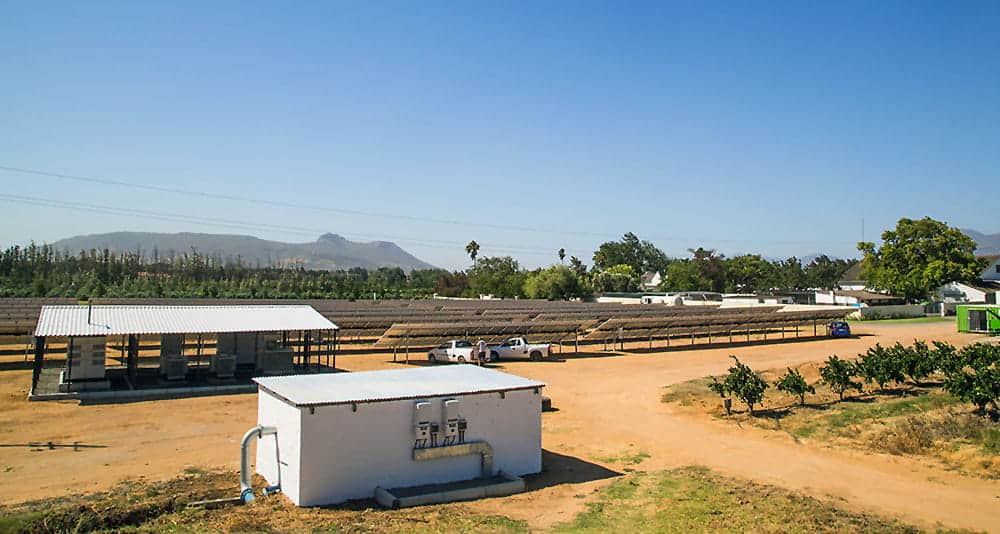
[790, 275]
[919, 256]
[748, 273]
[562, 255]
[974, 377]
[472, 249]
[557, 282]
[794, 383]
[824, 272]
[839, 375]
[498, 276]
[641, 255]
[745, 384]
[684, 275]
[880, 366]
[617, 278]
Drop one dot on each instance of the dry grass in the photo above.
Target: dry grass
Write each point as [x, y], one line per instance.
[163, 507]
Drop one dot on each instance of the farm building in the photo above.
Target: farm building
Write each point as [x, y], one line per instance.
[383, 433]
[245, 341]
[978, 318]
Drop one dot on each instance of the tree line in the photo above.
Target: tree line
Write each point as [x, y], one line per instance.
[915, 258]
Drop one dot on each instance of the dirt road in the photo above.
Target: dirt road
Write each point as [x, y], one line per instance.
[608, 405]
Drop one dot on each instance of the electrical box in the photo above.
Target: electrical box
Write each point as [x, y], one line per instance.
[173, 366]
[422, 423]
[172, 344]
[450, 415]
[85, 358]
[223, 365]
[173, 363]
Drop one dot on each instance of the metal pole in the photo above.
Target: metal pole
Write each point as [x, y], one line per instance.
[69, 365]
[36, 371]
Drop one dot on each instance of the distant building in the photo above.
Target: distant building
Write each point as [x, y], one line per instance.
[851, 279]
[992, 270]
[651, 280]
[972, 292]
[857, 297]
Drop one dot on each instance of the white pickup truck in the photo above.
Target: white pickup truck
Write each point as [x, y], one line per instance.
[518, 347]
[456, 350]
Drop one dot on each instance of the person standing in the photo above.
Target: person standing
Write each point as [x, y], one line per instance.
[483, 351]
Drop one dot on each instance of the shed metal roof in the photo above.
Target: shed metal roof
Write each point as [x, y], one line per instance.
[120, 320]
[396, 384]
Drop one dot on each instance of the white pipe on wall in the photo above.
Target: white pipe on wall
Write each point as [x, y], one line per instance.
[257, 432]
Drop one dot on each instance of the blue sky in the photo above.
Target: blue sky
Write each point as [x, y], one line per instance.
[743, 126]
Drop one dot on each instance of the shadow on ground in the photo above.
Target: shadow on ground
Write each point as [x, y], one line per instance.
[558, 469]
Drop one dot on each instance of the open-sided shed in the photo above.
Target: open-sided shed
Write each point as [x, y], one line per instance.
[87, 330]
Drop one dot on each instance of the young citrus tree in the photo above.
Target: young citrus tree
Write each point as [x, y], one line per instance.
[745, 384]
[793, 382]
[839, 375]
[975, 377]
[880, 366]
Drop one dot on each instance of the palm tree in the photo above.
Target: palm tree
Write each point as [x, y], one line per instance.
[472, 249]
[562, 255]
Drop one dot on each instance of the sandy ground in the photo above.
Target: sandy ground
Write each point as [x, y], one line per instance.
[608, 404]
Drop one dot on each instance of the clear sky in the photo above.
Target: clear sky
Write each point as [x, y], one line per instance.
[743, 126]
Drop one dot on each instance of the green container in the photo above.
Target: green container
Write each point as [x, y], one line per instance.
[978, 318]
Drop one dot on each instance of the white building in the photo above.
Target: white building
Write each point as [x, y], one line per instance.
[341, 436]
[992, 270]
[651, 280]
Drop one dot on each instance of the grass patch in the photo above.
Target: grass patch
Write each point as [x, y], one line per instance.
[695, 499]
[845, 415]
[627, 458]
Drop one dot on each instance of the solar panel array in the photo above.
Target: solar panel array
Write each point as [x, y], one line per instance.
[416, 323]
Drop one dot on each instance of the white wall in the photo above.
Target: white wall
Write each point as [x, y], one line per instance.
[895, 311]
[959, 292]
[272, 411]
[991, 273]
[829, 297]
[346, 454]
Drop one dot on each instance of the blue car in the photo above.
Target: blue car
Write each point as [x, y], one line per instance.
[838, 329]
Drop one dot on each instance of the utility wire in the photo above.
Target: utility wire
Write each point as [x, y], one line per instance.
[345, 211]
[229, 223]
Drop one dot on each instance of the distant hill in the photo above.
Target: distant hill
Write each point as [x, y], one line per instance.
[329, 252]
[987, 244]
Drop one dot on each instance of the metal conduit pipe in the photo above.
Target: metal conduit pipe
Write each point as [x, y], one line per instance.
[482, 448]
[257, 432]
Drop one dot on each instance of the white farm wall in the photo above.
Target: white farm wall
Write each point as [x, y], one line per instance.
[345, 454]
[272, 411]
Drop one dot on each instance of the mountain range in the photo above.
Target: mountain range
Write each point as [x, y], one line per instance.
[329, 252]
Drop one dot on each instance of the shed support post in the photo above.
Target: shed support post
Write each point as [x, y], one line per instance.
[306, 346]
[576, 342]
[36, 371]
[132, 360]
[336, 335]
[814, 328]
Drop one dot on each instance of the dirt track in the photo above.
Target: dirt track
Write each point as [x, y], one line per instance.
[608, 405]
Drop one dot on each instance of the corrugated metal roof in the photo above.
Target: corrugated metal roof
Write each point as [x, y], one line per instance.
[397, 384]
[119, 320]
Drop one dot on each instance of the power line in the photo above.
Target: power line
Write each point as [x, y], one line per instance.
[396, 216]
[229, 223]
